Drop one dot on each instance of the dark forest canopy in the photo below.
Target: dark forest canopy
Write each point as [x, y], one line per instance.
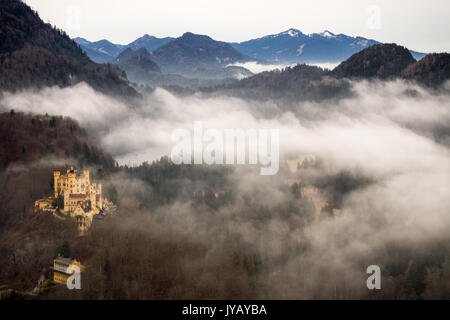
[35, 54]
[310, 83]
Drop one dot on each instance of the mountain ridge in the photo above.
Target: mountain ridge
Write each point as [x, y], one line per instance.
[432, 70]
[199, 56]
[35, 54]
[106, 51]
[286, 47]
[137, 64]
[383, 61]
[310, 83]
[99, 51]
[293, 46]
[148, 42]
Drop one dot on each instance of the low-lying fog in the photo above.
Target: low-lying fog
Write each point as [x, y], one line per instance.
[393, 132]
[256, 67]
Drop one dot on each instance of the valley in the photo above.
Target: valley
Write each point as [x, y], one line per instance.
[103, 165]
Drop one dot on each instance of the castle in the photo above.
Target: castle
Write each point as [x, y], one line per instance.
[76, 197]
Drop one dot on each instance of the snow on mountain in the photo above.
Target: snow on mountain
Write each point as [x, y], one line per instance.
[328, 34]
[288, 47]
[292, 32]
[293, 46]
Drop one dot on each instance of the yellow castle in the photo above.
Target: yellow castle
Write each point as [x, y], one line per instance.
[82, 200]
[77, 191]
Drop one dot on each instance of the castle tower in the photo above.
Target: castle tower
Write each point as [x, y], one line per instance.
[56, 179]
[86, 177]
[71, 179]
[99, 196]
[92, 196]
[66, 202]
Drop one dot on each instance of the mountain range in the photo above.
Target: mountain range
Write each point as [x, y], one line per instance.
[100, 51]
[307, 82]
[140, 68]
[191, 55]
[390, 61]
[287, 47]
[293, 46]
[35, 54]
[199, 56]
[105, 51]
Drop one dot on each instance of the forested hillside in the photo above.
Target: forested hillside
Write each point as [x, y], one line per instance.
[35, 54]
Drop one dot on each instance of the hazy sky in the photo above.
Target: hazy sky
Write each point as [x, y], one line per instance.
[420, 25]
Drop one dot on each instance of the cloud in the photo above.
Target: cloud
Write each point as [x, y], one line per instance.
[91, 108]
[383, 129]
[256, 67]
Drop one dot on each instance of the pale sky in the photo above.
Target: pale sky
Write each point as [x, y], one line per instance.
[417, 24]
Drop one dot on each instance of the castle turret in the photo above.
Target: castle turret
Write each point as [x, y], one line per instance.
[66, 201]
[93, 199]
[86, 177]
[99, 196]
[56, 179]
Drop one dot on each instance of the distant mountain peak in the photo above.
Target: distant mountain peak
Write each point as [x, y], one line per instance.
[80, 40]
[148, 42]
[383, 61]
[291, 32]
[190, 35]
[197, 55]
[147, 36]
[327, 34]
[104, 41]
[293, 46]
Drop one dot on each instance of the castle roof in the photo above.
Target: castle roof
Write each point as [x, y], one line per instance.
[65, 260]
[72, 171]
